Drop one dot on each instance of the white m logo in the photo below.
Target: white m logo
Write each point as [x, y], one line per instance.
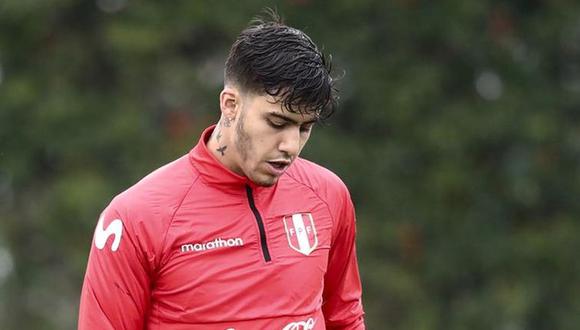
[102, 234]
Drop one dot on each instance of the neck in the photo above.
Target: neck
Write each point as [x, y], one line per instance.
[220, 146]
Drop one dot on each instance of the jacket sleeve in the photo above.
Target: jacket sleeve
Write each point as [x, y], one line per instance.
[342, 304]
[116, 288]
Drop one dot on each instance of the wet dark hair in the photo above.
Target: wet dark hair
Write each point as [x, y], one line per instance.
[272, 58]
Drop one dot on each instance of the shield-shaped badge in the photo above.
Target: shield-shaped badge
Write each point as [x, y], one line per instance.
[301, 232]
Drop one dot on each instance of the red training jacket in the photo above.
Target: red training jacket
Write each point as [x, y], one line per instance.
[196, 246]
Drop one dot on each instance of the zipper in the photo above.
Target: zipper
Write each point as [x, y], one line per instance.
[261, 227]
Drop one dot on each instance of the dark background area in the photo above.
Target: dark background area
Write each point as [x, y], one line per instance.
[458, 134]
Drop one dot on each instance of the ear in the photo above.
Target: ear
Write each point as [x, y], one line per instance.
[230, 102]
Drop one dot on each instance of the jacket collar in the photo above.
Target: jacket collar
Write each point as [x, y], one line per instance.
[213, 171]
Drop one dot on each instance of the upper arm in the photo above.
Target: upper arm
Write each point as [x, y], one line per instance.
[116, 288]
[342, 305]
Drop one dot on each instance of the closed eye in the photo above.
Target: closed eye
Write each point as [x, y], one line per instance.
[276, 124]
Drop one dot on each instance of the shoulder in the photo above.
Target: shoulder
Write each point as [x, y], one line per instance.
[140, 217]
[155, 198]
[327, 186]
[321, 180]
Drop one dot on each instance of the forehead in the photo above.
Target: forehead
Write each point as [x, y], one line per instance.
[268, 105]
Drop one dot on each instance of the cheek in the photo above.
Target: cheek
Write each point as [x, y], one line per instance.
[259, 146]
[264, 146]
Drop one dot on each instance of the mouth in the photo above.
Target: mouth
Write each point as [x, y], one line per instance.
[278, 166]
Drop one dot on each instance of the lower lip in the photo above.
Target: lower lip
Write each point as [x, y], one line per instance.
[275, 170]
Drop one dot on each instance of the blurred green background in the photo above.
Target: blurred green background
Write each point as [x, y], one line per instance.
[458, 134]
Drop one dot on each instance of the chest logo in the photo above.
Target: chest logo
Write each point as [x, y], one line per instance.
[301, 325]
[301, 232]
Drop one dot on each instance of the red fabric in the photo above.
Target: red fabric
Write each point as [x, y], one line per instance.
[190, 256]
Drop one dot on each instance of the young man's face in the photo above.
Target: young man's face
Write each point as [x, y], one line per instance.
[267, 138]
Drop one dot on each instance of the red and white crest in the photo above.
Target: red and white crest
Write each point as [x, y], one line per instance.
[301, 232]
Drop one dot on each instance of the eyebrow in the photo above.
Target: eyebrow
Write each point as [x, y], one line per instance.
[281, 116]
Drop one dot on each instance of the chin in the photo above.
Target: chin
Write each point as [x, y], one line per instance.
[269, 183]
[265, 182]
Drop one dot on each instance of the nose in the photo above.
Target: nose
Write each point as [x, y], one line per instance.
[290, 142]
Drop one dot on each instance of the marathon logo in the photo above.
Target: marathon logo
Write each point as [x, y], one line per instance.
[217, 243]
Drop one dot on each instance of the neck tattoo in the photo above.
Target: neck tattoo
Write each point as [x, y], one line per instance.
[222, 150]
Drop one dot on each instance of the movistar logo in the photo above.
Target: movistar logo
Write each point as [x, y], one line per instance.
[102, 234]
[215, 244]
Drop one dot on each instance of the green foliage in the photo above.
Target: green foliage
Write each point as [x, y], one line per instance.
[458, 134]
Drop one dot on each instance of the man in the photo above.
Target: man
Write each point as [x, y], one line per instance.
[240, 233]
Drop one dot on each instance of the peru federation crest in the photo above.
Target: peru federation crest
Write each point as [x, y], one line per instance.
[301, 232]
